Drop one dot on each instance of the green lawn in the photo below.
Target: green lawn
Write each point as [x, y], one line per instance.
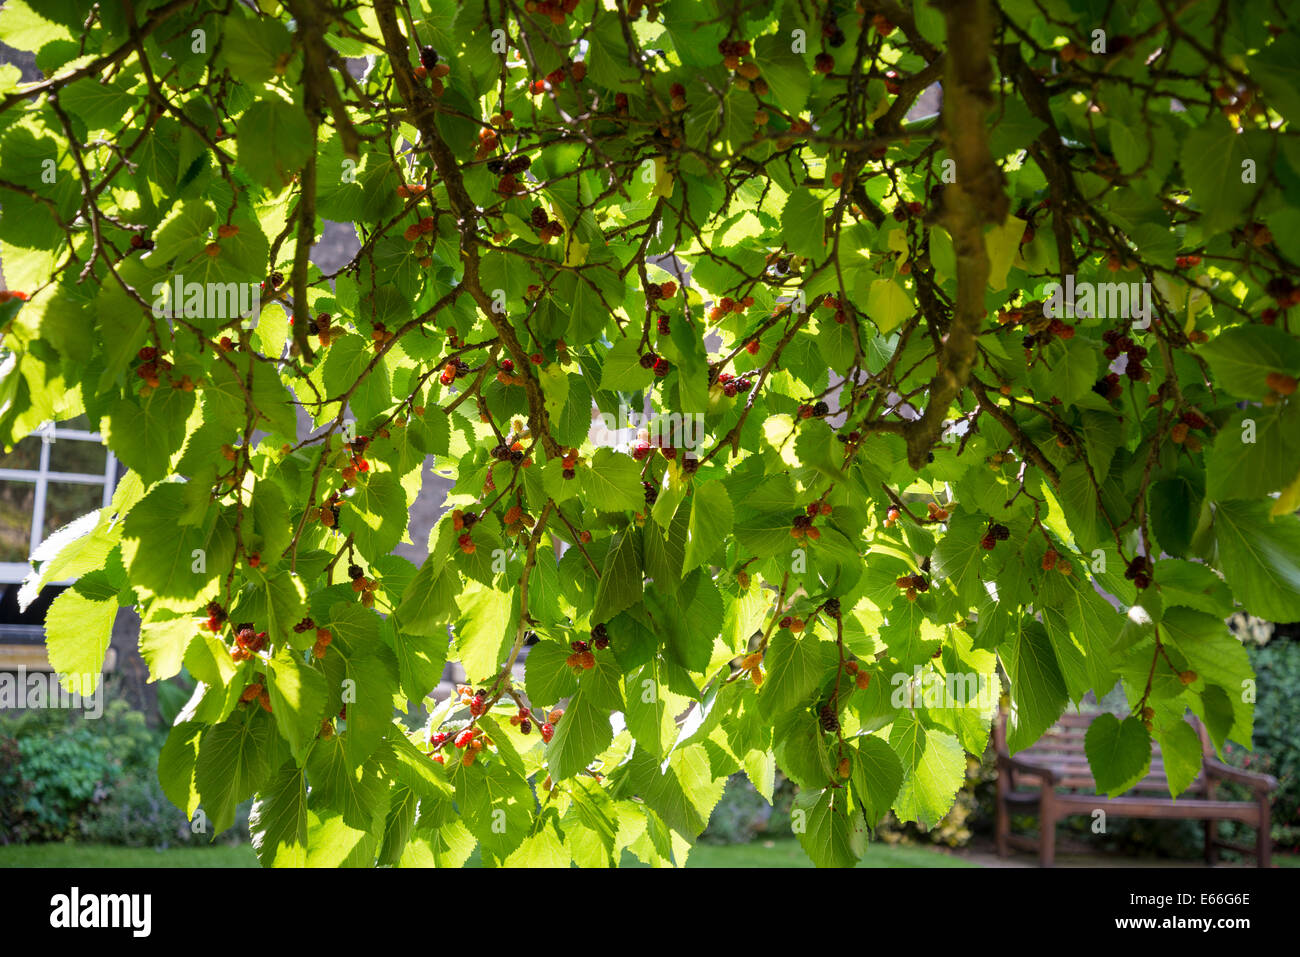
[103, 855]
[786, 853]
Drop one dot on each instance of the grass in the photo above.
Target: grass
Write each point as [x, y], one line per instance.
[778, 853]
[788, 853]
[103, 855]
[783, 853]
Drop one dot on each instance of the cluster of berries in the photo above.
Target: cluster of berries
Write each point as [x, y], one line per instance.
[1188, 261]
[478, 704]
[517, 521]
[1116, 344]
[327, 514]
[547, 228]
[1285, 294]
[512, 452]
[802, 526]
[416, 230]
[216, 617]
[453, 370]
[818, 409]
[431, 68]
[753, 663]
[509, 164]
[891, 517]
[1180, 432]
[651, 492]
[732, 51]
[734, 385]
[726, 305]
[523, 720]
[256, 692]
[1280, 385]
[152, 364]
[912, 585]
[657, 364]
[247, 642]
[935, 512]
[363, 586]
[1139, 572]
[463, 522]
[860, 677]
[794, 624]
[833, 303]
[7, 294]
[677, 97]
[471, 740]
[829, 719]
[569, 464]
[747, 78]
[357, 462]
[556, 10]
[996, 533]
[581, 659]
[380, 336]
[903, 210]
[1053, 559]
[322, 328]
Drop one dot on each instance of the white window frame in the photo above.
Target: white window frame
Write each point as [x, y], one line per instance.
[15, 572]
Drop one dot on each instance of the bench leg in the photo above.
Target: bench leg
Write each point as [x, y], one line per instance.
[1002, 828]
[1264, 836]
[1046, 830]
[1211, 851]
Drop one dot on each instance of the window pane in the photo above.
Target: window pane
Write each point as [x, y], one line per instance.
[71, 455]
[67, 501]
[16, 502]
[26, 455]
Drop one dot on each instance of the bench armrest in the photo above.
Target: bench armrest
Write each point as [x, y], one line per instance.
[1214, 768]
[1008, 763]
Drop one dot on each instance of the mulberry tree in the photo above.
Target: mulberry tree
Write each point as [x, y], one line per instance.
[989, 400]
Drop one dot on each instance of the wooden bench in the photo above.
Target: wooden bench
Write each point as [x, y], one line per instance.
[1052, 778]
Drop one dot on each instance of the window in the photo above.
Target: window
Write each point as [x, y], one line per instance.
[52, 477]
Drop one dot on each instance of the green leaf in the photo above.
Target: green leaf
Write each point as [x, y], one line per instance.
[1119, 752]
[278, 821]
[803, 225]
[833, 832]
[1037, 688]
[795, 664]
[620, 579]
[297, 701]
[934, 767]
[1260, 558]
[711, 519]
[1180, 749]
[582, 733]
[233, 763]
[1256, 452]
[1242, 357]
[1212, 163]
[888, 305]
[77, 634]
[612, 482]
[877, 776]
[274, 142]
